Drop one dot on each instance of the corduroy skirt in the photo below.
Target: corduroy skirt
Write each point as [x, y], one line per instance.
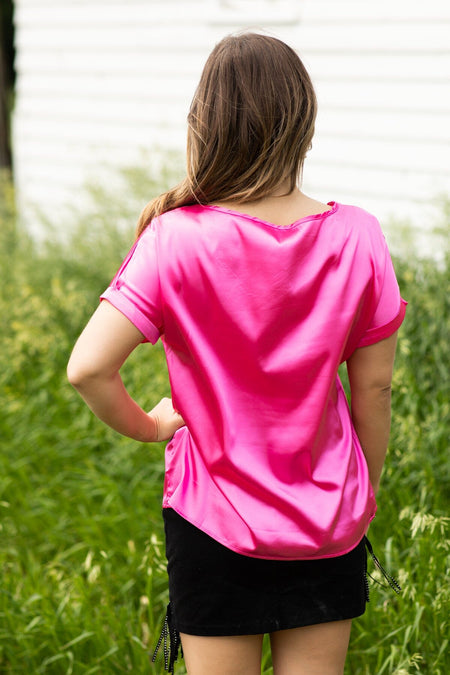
[215, 591]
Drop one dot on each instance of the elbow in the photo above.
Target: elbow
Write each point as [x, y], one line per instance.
[80, 374]
[381, 390]
[377, 387]
[87, 374]
[371, 400]
[383, 398]
[75, 375]
[386, 390]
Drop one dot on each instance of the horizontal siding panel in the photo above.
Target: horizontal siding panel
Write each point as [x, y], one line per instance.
[307, 10]
[385, 11]
[108, 86]
[229, 20]
[384, 96]
[147, 51]
[370, 67]
[431, 37]
[62, 159]
[416, 128]
[373, 153]
[341, 179]
[96, 38]
[120, 135]
[244, 12]
[73, 115]
[387, 209]
[52, 156]
[140, 61]
[69, 111]
[412, 38]
[65, 158]
[62, 13]
[133, 12]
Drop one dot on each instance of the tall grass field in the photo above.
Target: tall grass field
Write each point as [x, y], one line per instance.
[83, 586]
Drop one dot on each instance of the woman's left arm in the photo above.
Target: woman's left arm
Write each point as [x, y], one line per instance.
[93, 369]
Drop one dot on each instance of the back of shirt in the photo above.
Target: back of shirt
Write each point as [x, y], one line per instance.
[256, 319]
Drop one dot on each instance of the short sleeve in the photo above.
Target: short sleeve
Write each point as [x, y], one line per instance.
[389, 307]
[135, 289]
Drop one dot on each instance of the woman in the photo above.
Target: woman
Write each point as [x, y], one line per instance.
[259, 293]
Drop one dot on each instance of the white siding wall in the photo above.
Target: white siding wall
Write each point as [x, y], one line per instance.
[101, 81]
[382, 71]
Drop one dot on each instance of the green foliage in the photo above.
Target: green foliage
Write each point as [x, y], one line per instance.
[409, 633]
[83, 584]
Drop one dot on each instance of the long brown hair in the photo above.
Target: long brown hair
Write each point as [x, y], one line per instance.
[250, 124]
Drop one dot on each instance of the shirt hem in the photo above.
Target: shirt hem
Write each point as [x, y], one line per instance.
[240, 551]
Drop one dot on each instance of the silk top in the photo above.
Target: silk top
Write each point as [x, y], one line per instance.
[255, 319]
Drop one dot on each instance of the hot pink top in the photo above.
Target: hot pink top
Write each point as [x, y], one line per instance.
[255, 320]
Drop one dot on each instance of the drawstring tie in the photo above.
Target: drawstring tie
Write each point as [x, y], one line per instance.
[391, 581]
[170, 639]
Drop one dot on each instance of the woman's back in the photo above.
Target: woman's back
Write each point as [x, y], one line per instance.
[256, 318]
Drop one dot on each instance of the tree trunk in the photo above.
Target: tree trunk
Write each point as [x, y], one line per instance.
[5, 147]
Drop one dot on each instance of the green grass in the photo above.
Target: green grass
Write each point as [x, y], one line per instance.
[83, 586]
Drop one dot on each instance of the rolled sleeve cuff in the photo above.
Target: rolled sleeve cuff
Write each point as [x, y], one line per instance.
[128, 309]
[381, 332]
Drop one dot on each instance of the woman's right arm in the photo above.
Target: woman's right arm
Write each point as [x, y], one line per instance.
[93, 369]
[370, 375]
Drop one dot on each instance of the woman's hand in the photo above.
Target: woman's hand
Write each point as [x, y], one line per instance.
[167, 420]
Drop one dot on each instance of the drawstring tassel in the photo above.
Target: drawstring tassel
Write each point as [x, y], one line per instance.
[391, 581]
[169, 636]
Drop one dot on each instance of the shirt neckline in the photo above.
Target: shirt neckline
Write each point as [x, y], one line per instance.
[315, 216]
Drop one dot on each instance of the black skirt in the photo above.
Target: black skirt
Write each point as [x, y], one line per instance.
[215, 591]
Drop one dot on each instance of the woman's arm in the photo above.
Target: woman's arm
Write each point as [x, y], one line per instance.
[370, 376]
[93, 369]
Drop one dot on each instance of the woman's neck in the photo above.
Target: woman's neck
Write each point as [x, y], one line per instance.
[280, 208]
